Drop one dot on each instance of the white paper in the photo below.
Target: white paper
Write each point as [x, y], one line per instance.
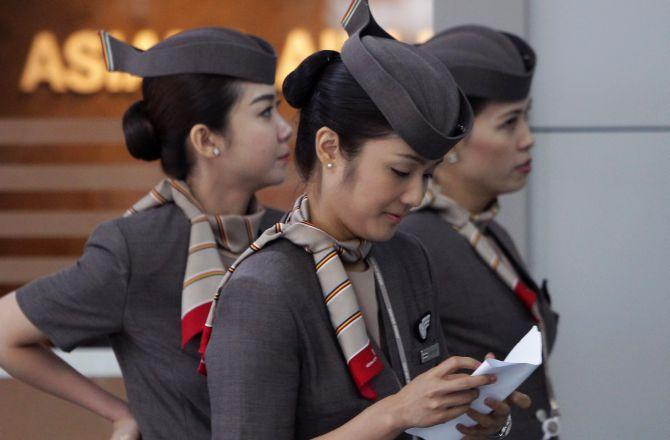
[520, 363]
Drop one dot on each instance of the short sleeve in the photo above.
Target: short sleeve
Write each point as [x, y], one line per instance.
[85, 301]
[253, 367]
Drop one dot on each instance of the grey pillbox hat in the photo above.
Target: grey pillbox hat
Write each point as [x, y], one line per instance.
[486, 63]
[207, 50]
[412, 89]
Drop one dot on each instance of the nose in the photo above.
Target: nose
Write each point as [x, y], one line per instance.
[413, 194]
[526, 140]
[284, 130]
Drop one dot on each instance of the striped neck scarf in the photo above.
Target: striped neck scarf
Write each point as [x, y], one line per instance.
[466, 224]
[451, 211]
[211, 237]
[338, 293]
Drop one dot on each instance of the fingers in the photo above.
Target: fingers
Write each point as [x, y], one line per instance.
[456, 363]
[454, 412]
[459, 398]
[487, 424]
[485, 421]
[474, 432]
[521, 400]
[490, 356]
[452, 384]
[500, 409]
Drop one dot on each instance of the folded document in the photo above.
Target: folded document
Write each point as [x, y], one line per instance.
[519, 364]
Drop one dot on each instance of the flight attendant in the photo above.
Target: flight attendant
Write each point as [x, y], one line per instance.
[487, 298]
[145, 280]
[326, 326]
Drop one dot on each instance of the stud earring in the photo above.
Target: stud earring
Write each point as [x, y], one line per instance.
[330, 165]
[216, 152]
[452, 157]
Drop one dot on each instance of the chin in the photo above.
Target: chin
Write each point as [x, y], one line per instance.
[517, 186]
[512, 186]
[380, 233]
[273, 179]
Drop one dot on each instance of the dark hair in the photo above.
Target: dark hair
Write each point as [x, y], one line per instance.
[329, 96]
[477, 103]
[157, 126]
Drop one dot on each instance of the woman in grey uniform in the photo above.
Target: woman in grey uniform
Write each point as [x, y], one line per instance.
[316, 331]
[487, 299]
[146, 280]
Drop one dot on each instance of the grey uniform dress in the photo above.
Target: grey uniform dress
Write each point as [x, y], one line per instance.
[479, 312]
[128, 286]
[275, 369]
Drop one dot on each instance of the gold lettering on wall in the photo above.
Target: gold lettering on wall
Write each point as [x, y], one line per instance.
[44, 65]
[80, 67]
[85, 73]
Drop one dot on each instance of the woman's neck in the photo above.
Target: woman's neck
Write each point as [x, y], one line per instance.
[219, 198]
[325, 218]
[475, 200]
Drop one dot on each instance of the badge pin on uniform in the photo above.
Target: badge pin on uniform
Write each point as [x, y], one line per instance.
[428, 353]
[422, 327]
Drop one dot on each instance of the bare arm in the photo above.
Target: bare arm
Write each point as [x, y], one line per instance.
[24, 356]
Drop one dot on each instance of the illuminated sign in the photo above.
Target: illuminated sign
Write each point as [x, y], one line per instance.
[78, 66]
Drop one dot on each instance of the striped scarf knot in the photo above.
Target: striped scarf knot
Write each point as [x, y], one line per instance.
[338, 293]
[210, 237]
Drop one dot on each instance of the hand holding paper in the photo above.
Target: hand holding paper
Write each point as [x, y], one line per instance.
[519, 364]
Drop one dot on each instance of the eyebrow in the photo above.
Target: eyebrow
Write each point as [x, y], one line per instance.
[511, 113]
[267, 97]
[413, 157]
[519, 110]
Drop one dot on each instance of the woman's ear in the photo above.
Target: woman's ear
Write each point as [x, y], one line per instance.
[327, 144]
[205, 142]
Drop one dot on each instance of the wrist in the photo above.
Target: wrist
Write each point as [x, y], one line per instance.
[505, 430]
[119, 411]
[391, 415]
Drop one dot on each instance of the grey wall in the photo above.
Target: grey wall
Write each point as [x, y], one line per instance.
[598, 203]
[599, 208]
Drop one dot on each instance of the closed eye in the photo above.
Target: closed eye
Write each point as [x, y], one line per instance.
[401, 174]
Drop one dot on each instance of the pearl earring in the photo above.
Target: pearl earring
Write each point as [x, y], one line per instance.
[452, 157]
[216, 152]
[330, 165]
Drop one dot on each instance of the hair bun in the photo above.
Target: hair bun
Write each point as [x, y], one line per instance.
[140, 135]
[299, 84]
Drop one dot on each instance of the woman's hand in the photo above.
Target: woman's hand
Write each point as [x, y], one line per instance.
[492, 423]
[125, 428]
[438, 395]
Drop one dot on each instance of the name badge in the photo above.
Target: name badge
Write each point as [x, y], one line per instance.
[430, 353]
